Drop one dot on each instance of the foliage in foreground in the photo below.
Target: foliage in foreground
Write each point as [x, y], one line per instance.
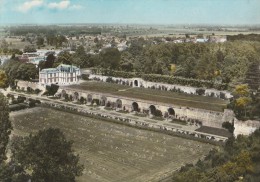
[48, 156]
[5, 127]
[44, 157]
[239, 160]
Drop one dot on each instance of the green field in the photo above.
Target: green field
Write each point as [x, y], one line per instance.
[113, 152]
[168, 97]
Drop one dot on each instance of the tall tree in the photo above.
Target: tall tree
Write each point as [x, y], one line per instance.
[5, 127]
[3, 79]
[110, 58]
[253, 76]
[49, 157]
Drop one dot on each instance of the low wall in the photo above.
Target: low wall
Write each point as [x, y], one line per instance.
[24, 84]
[245, 127]
[139, 82]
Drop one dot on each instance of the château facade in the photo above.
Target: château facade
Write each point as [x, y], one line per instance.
[62, 75]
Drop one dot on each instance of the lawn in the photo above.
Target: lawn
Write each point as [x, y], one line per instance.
[113, 152]
[168, 97]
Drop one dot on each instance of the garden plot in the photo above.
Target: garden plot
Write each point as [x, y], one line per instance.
[113, 152]
[169, 97]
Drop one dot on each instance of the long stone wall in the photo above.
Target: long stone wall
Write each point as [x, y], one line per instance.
[132, 122]
[138, 82]
[206, 117]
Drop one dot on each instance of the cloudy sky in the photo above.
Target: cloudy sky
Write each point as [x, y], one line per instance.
[130, 11]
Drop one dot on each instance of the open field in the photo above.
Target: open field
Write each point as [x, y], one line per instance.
[181, 99]
[113, 152]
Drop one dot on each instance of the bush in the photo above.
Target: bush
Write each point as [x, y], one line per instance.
[200, 91]
[228, 126]
[109, 80]
[51, 90]
[82, 100]
[21, 99]
[85, 77]
[158, 113]
[222, 95]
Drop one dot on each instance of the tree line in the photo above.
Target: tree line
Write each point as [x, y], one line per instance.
[228, 62]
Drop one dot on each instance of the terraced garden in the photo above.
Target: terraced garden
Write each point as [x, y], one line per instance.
[113, 152]
[181, 99]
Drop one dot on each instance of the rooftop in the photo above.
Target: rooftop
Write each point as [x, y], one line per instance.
[60, 68]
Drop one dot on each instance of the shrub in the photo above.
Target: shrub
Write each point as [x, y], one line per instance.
[85, 76]
[158, 113]
[200, 91]
[109, 80]
[51, 90]
[229, 126]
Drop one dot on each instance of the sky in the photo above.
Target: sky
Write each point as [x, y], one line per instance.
[220, 12]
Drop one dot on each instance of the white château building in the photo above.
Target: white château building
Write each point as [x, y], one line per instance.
[62, 75]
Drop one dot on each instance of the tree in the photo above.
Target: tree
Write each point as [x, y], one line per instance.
[40, 41]
[5, 127]
[110, 58]
[26, 71]
[29, 49]
[3, 79]
[50, 61]
[63, 58]
[51, 90]
[253, 76]
[81, 58]
[241, 99]
[48, 156]
[186, 68]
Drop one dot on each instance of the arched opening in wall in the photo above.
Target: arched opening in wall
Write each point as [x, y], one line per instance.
[76, 95]
[89, 98]
[82, 100]
[171, 111]
[119, 103]
[95, 102]
[135, 107]
[152, 109]
[63, 93]
[103, 101]
[136, 83]
[108, 104]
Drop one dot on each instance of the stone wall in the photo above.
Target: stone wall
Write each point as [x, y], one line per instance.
[245, 127]
[24, 84]
[132, 122]
[206, 117]
[138, 82]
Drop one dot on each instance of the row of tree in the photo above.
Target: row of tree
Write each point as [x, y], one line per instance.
[229, 62]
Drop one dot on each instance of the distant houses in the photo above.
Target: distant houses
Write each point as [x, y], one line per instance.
[62, 75]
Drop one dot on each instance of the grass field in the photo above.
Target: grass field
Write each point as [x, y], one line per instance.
[181, 99]
[113, 152]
